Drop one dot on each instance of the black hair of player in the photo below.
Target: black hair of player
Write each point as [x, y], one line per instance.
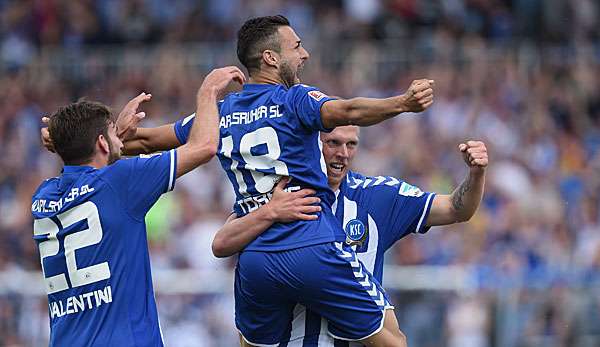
[256, 36]
[74, 130]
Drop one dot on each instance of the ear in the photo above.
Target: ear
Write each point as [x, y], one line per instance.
[102, 144]
[271, 58]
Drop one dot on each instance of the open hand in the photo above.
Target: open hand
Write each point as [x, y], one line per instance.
[289, 207]
[129, 118]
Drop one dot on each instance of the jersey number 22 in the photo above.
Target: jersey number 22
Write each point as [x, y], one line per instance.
[87, 237]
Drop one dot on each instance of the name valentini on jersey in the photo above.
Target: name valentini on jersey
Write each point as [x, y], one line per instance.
[81, 302]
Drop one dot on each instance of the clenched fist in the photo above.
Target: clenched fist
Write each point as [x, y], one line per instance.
[419, 95]
[474, 154]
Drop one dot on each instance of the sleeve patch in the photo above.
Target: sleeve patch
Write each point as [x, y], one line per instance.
[409, 190]
[317, 95]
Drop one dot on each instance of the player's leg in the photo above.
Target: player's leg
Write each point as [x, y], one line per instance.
[243, 342]
[262, 310]
[346, 294]
[389, 335]
[269, 283]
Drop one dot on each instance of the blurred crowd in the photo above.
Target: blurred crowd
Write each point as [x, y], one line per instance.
[521, 75]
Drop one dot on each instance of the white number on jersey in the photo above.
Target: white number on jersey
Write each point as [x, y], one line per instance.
[270, 160]
[87, 237]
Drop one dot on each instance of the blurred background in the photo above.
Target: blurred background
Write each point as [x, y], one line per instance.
[521, 75]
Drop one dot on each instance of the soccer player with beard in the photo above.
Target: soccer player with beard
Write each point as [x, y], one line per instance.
[89, 221]
[269, 130]
[375, 212]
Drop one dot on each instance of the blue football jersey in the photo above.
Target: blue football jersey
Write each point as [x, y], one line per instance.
[377, 211]
[89, 227]
[268, 131]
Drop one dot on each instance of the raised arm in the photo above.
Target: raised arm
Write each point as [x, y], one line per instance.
[143, 140]
[136, 140]
[464, 200]
[150, 140]
[369, 111]
[204, 136]
[283, 207]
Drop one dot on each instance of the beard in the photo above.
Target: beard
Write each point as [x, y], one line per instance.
[113, 155]
[288, 76]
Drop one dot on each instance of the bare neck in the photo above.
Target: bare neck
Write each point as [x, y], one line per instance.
[96, 162]
[335, 186]
[265, 77]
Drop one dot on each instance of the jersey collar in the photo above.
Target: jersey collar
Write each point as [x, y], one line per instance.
[76, 169]
[257, 86]
[344, 183]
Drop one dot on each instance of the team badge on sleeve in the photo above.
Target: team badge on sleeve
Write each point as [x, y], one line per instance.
[317, 95]
[356, 233]
[408, 190]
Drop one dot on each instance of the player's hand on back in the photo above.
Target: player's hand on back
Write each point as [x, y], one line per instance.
[129, 117]
[288, 207]
[419, 95]
[218, 79]
[474, 154]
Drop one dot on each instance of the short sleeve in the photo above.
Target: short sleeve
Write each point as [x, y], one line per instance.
[306, 102]
[183, 127]
[405, 209]
[142, 180]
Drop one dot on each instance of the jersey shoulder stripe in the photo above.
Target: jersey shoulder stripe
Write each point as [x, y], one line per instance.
[357, 181]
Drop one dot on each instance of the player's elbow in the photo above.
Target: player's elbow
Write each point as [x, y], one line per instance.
[146, 146]
[210, 149]
[220, 248]
[462, 216]
[135, 147]
[206, 151]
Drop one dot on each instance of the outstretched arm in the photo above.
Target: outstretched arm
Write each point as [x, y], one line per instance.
[283, 207]
[150, 140]
[464, 200]
[369, 111]
[143, 140]
[136, 140]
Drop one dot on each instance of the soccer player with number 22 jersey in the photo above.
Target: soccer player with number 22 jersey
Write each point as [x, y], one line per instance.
[89, 221]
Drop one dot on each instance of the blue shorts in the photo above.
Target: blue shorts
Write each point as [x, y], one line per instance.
[327, 278]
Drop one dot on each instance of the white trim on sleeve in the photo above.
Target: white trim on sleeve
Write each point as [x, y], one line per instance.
[172, 170]
[425, 209]
[188, 119]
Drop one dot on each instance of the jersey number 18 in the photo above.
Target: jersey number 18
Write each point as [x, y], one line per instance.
[270, 160]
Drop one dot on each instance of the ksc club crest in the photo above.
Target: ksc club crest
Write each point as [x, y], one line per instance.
[356, 232]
